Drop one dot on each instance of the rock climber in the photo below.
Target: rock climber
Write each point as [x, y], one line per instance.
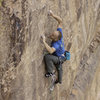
[56, 57]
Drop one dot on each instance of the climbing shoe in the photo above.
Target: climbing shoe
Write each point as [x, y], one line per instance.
[56, 82]
[48, 74]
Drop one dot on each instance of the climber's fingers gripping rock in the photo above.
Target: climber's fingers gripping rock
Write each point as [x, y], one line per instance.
[50, 13]
[43, 38]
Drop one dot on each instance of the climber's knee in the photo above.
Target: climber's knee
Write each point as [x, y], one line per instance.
[59, 67]
[46, 57]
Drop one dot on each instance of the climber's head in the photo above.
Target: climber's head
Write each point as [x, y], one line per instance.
[55, 36]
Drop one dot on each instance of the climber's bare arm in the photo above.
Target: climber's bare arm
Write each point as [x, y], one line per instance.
[57, 18]
[49, 49]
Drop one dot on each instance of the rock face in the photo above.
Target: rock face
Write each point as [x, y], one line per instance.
[22, 67]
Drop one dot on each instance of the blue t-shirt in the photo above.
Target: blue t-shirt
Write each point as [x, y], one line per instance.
[59, 45]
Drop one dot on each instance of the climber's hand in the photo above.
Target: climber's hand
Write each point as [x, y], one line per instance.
[43, 38]
[50, 13]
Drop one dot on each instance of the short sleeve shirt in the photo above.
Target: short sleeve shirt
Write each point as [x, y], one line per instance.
[59, 45]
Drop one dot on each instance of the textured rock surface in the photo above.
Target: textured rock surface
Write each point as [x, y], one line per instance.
[21, 62]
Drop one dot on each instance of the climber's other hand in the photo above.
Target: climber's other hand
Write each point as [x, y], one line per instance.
[43, 38]
[50, 13]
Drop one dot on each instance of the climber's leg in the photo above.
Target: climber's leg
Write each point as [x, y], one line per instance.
[50, 61]
[60, 72]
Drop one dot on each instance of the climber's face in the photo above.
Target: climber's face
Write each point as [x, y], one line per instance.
[54, 36]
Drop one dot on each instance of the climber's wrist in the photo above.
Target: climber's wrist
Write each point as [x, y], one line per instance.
[44, 41]
[52, 15]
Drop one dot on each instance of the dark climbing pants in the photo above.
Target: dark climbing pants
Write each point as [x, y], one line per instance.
[52, 61]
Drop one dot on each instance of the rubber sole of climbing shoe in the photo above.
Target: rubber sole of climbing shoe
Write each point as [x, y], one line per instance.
[48, 74]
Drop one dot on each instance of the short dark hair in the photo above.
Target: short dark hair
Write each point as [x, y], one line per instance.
[59, 36]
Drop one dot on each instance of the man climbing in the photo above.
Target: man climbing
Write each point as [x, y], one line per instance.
[56, 50]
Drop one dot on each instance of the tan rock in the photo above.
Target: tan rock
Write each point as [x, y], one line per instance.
[21, 52]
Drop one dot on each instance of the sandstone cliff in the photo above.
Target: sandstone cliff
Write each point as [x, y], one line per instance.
[21, 52]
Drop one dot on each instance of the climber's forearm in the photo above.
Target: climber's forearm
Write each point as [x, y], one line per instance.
[49, 49]
[57, 18]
